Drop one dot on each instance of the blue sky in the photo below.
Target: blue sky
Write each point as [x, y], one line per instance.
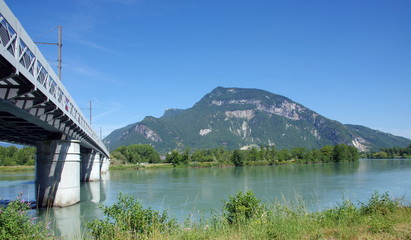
[347, 60]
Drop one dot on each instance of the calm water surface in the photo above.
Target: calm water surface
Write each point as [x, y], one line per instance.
[196, 192]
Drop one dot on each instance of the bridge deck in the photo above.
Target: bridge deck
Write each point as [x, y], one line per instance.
[34, 104]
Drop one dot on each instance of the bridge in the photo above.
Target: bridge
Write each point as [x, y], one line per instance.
[36, 109]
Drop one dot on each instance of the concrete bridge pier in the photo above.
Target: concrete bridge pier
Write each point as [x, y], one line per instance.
[105, 163]
[90, 165]
[58, 173]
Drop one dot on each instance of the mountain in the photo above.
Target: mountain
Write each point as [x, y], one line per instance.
[237, 118]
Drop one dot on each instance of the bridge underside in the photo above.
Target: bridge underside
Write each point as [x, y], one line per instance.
[16, 130]
[36, 109]
[28, 116]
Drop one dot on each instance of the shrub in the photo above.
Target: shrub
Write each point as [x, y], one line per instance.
[242, 207]
[15, 223]
[379, 204]
[345, 211]
[128, 215]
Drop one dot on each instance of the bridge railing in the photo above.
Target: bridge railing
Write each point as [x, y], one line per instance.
[18, 48]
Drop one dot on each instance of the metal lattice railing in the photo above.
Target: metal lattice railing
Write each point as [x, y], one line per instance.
[36, 69]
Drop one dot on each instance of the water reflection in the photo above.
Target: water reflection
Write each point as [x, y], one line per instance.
[198, 191]
[69, 222]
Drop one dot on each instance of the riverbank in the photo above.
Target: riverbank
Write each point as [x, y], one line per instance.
[193, 193]
[201, 165]
[244, 217]
[168, 165]
[16, 168]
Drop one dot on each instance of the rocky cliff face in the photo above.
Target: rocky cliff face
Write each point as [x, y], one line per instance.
[236, 118]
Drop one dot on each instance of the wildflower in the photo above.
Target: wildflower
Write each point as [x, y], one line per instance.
[48, 225]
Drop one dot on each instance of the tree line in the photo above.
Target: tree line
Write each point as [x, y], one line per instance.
[13, 156]
[264, 155]
[394, 152]
[135, 153]
[254, 156]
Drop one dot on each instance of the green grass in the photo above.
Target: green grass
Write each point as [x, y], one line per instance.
[16, 168]
[140, 166]
[380, 218]
[243, 216]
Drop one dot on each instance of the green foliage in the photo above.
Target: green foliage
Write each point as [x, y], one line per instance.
[327, 153]
[180, 129]
[342, 212]
[13, 156]
[242, 207]
[237, 158]
[221, 157]
[343, 153]
[135, 154]
[379, 205]
[395, 152]
[15, 223]
[243, 217]
[174, 158]
[128, 215]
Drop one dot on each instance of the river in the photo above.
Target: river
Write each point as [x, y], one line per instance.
[191, 193]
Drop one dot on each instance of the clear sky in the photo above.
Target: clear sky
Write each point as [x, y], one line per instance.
[347, 60]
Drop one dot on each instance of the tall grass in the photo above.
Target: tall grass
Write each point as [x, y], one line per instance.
[242, 216]
[245, 217]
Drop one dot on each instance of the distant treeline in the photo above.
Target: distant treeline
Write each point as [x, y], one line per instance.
[133, 154]
[395, 152]
[13, 156]
[220, 156]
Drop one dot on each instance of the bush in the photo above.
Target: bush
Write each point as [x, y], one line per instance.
[127, 215]
[15, 223]
[242, 207]
[345, 211]
[380, 205]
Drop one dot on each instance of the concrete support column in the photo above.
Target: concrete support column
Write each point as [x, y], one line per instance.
[93, 191]
[58, 173]
[105, 164]
[90, 166]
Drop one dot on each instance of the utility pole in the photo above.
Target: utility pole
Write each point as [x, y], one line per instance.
[59, 45]
[90, 112]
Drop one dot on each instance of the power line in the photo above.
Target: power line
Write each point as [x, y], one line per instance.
[59, 45]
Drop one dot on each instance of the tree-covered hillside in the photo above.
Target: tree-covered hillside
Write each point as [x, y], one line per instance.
[240, 118]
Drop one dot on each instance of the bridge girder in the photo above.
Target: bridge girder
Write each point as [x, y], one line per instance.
[30, 90]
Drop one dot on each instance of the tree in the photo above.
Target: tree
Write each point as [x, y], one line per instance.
[252, 154]
[283, 155]
[237, 158]
[185, 157]
[137, 153]
[174, 158]
[12, 156]
[327, 153]
[343, 152]
[298, 153]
